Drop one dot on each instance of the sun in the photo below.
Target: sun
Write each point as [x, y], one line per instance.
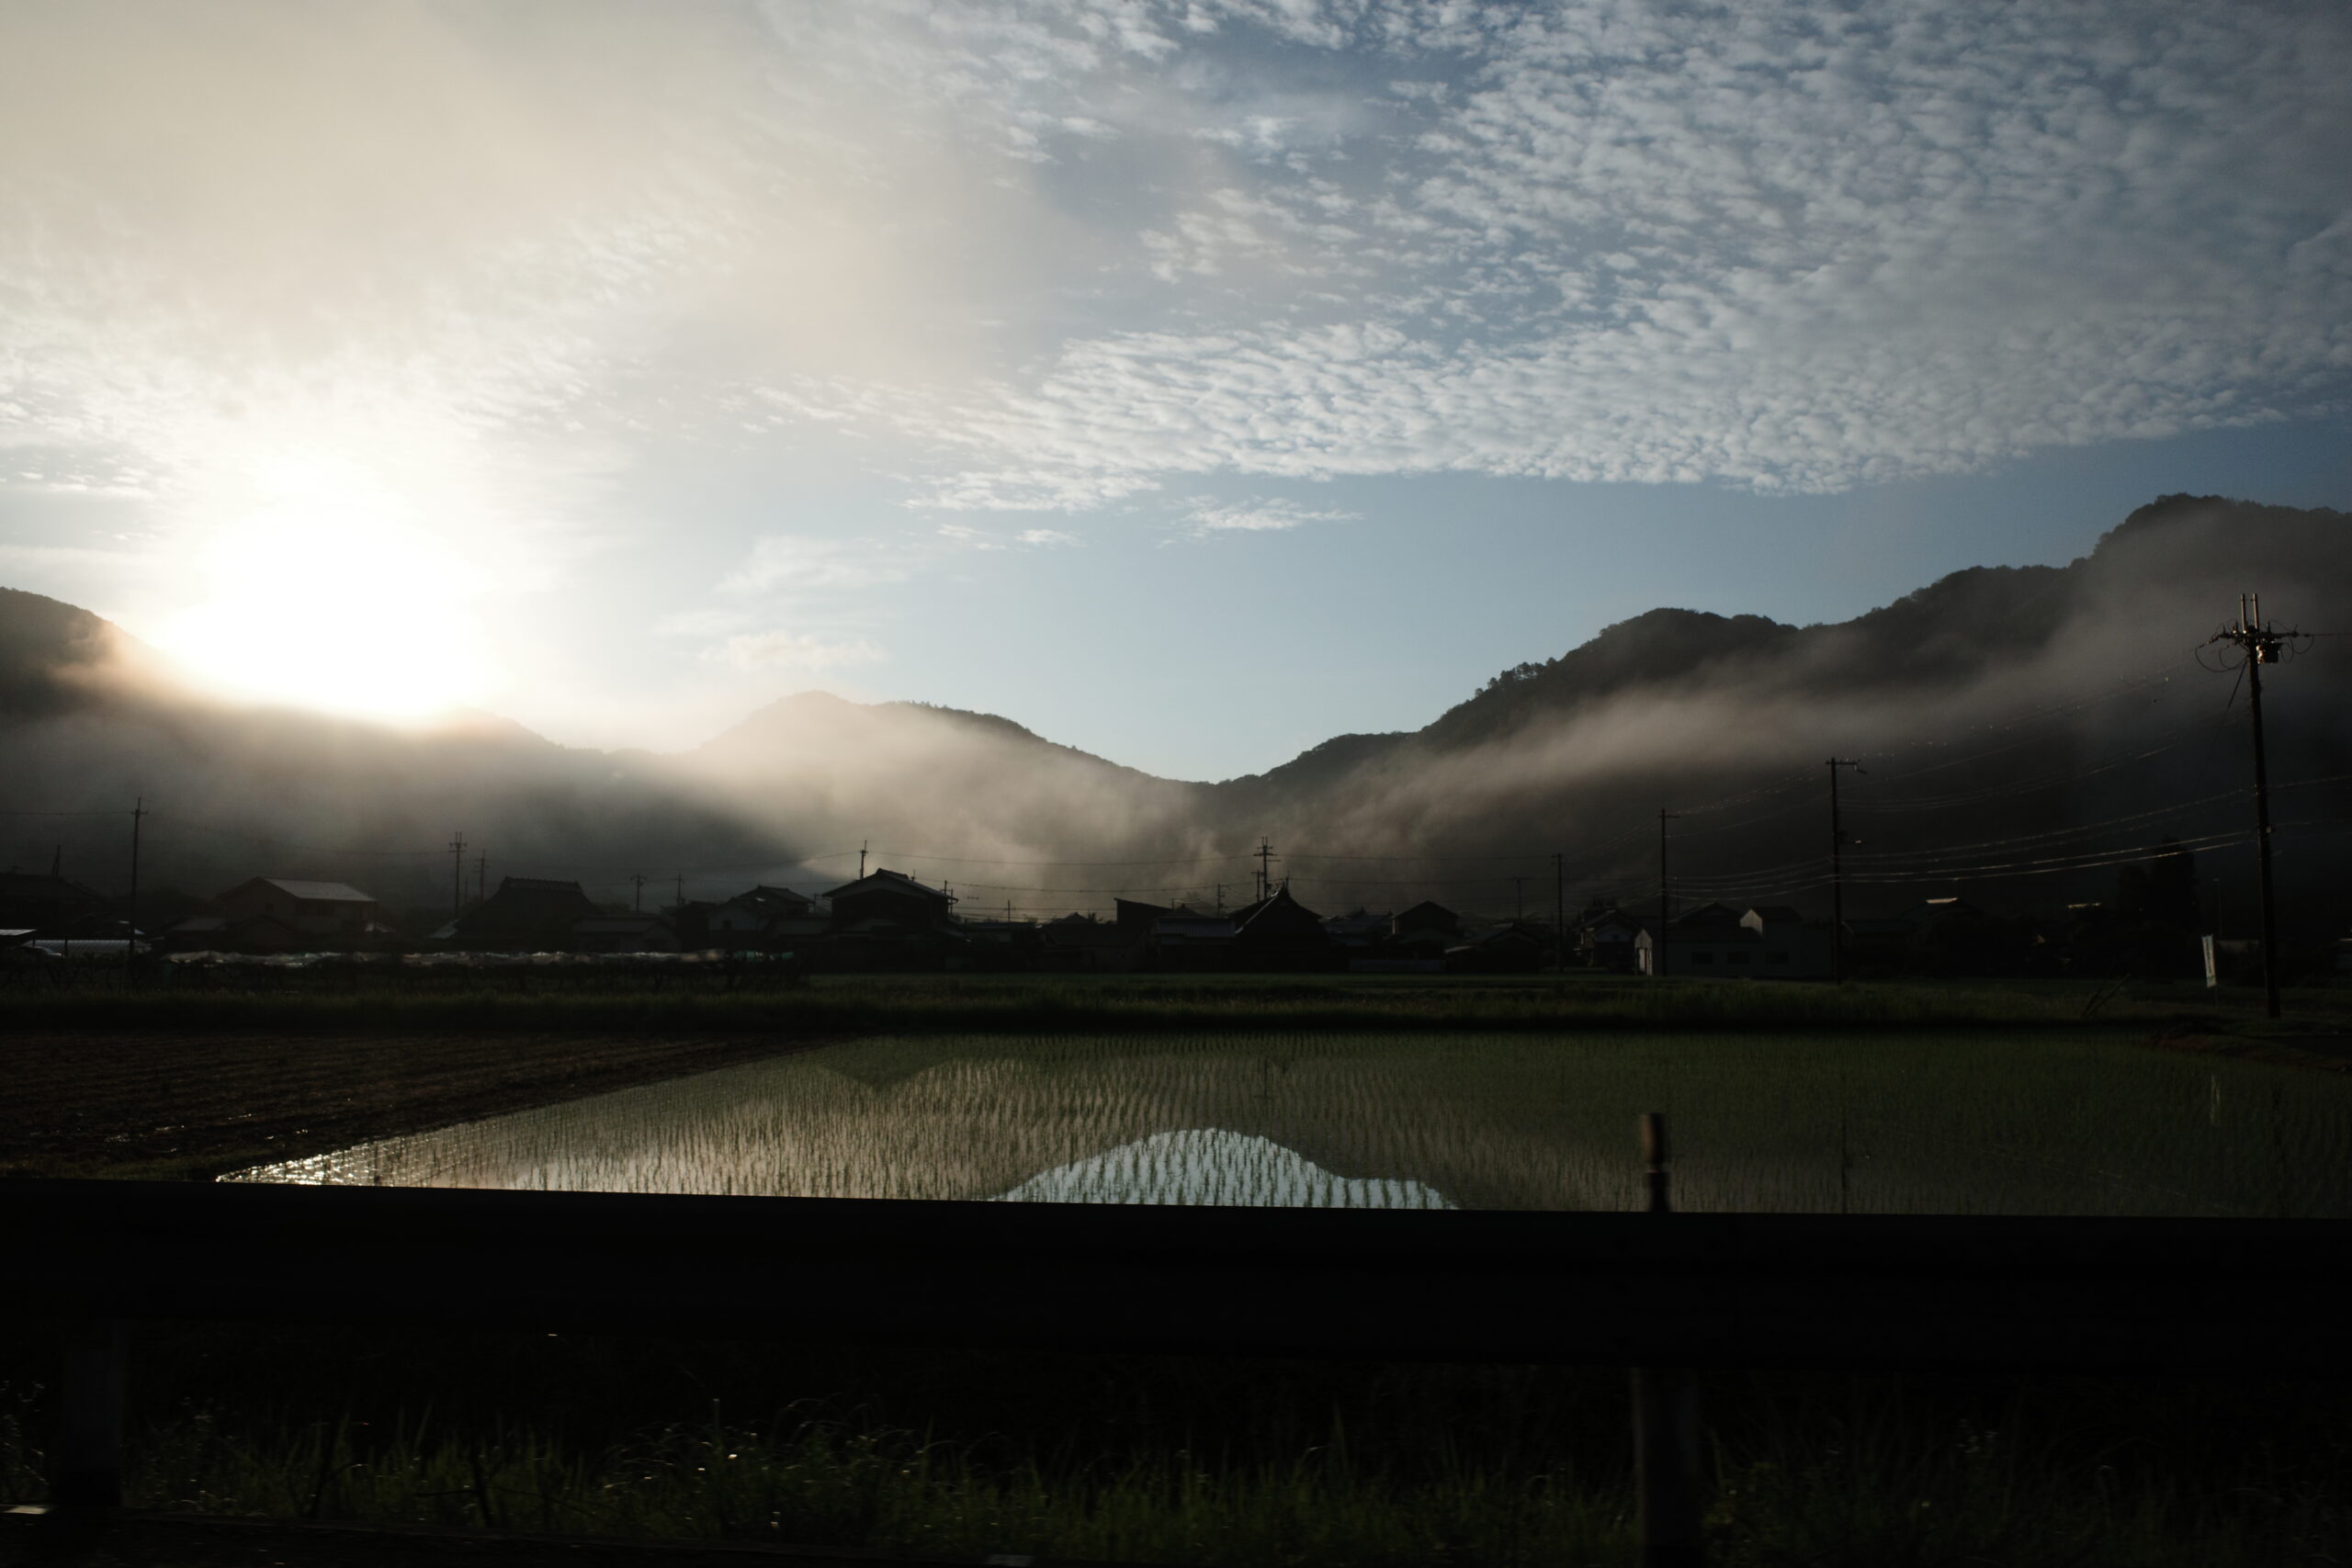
[340, 609]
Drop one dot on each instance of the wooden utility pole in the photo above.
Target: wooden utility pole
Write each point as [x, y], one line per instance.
[1837, 874]
[1265, 871]
[1665, 897]
[131, 947]
[1560, 909]
[638, 903]
[861, 859]
[457, 874]
[1518, 898]
[2260, 644]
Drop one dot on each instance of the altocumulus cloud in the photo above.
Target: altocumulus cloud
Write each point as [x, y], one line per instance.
[1050, 253]
[1770, 245]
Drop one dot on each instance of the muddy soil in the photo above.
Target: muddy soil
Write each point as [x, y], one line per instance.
[193, 1105]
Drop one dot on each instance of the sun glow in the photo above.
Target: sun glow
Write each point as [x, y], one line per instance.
[339, 607]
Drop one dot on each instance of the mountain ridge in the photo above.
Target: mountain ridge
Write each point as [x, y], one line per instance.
[1664, 708]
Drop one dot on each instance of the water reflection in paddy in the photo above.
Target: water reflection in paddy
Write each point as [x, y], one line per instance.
[1999, 1124]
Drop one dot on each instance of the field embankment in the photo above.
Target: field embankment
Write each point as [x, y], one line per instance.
[555, 1002]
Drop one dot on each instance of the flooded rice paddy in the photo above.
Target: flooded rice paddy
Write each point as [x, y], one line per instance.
[2008, 1123]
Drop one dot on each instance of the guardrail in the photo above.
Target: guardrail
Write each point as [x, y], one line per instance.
[2249, 1297]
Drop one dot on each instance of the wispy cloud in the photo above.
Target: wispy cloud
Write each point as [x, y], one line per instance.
[790, 650]
[1207, 517]
[795, 565]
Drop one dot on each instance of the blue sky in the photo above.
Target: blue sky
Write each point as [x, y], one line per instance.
[1189, 381]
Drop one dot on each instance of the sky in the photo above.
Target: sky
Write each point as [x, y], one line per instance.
[1189, 381]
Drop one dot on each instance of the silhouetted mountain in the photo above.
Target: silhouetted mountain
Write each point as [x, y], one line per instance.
[1997, 707]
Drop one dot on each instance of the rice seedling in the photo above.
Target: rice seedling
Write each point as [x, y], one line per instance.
[1861, 1122]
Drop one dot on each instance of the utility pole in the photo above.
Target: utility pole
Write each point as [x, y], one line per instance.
[1265, 871]
[2260, 643]
[1665, 897]
[457, 873]
[131, 948]
[1220, 897]
[1518, 898]
[1838, 874]
[1560, 908]
[682, 892]
[638, 904]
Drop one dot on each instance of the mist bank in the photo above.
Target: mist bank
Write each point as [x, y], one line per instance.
[2009, 722]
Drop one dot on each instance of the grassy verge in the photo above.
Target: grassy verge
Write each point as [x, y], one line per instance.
[1143, 1460]
[555, 1003]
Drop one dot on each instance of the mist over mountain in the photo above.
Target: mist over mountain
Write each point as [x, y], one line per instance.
[2004, 716]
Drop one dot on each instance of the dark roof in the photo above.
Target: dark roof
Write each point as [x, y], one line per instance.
[1777, 914]
[890, 882]
[775, 900]
[1135, 913]
[312, 892]
[528, 903]
[1279, 915]
[42, 885]
[1705, 917]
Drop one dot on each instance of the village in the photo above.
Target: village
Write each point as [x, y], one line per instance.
[888, 921]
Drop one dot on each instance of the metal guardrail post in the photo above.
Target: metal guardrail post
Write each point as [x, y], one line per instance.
[1666, 1418]
[86, 1471]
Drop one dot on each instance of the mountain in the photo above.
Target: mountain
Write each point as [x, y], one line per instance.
[1956, 697]
[92, 720]
[2020, 718]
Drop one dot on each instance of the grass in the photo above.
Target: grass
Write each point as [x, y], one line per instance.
[1261, 1463]
[560, 1002]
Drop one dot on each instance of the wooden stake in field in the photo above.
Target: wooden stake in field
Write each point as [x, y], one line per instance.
[1666, 1424]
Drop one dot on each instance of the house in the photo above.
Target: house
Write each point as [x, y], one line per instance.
[1514, 949]
[1886, 941]
[624, 933]
[52, 905]
[1791, 949]
[528, 914]
[1000, 944]
[889, 899]
[1134, 917]
[1768, 942]
[764, 919]
[691, 920]
[227, 934]
[889, 920]
[1605, 940]
[322, 914]
[1426, 916]
[748, 914]
[1192, 940]
[1360, 932]
[1083, 943]
[1278, 932]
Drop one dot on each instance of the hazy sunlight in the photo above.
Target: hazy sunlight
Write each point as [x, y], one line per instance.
[348, 613]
